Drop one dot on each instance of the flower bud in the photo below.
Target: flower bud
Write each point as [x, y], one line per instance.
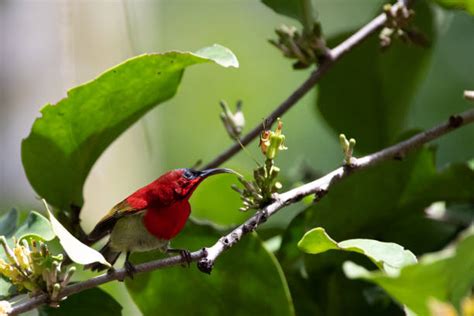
[233, 122]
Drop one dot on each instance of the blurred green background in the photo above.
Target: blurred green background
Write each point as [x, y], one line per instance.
[48, 47]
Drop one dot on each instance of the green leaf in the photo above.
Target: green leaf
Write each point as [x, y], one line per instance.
[35, 225]
[76, 250]
[467, 5]
[371, 87]
[290, 8]
[90, 302]
[238, 285]
[6, 288]
[447, 276]
[70, 136]
[389, 257]
[8, 223]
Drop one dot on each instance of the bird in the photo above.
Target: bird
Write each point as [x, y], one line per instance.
[149, 218]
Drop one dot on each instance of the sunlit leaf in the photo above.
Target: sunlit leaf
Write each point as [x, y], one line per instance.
[389, 257]
[69, 137]
[77, 251]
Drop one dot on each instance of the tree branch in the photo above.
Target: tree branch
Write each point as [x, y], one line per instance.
[320, 186]
[333, 56]
[206, 257]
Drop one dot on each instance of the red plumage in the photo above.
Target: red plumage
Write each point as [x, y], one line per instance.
[166, 203]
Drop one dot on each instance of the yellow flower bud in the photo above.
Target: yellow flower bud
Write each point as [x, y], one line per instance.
[22, 256]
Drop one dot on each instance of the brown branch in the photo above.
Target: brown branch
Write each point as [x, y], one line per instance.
[333, 56]
[117, 274]
[207, 256]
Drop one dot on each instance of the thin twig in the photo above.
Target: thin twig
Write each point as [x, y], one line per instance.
[207, 256]
[320, 186]
[333, 56]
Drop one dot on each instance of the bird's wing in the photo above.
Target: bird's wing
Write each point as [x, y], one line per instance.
[107, 223]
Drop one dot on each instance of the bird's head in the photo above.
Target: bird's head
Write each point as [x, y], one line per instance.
[187, 179]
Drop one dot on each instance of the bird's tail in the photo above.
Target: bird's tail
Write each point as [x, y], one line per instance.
[109, 255]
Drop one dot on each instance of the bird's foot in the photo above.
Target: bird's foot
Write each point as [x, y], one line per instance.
[130, 270]
[185, 255]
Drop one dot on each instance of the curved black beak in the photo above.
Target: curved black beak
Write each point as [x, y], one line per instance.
[209, 172]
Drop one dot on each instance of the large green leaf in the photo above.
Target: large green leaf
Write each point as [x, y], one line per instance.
[90, 302]
[467, 5]
[69, 137]
[389, 257]
[246, 280]
[446, 276]
[367, 95]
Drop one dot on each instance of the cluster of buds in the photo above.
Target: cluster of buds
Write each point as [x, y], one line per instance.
[347, 149]
[259, 192]
[398, 25]
[31, 267]
[307, 48]
[233, 122]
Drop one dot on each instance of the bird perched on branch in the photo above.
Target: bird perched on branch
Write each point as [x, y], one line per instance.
[149, 218]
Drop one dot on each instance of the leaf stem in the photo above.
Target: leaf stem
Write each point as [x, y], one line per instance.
[308, 16]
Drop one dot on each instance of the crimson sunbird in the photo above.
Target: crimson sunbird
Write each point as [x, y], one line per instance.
[149, 218]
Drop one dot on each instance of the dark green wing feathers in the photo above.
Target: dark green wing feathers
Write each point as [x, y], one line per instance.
[107, 223]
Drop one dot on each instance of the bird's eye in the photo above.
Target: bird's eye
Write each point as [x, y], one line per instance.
[188, 174]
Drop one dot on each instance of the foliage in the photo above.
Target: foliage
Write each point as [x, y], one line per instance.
[446, 276]
[69, 137]
[384, 215]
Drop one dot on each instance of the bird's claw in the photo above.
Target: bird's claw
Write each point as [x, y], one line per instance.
[130, 270]
[185, 255]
